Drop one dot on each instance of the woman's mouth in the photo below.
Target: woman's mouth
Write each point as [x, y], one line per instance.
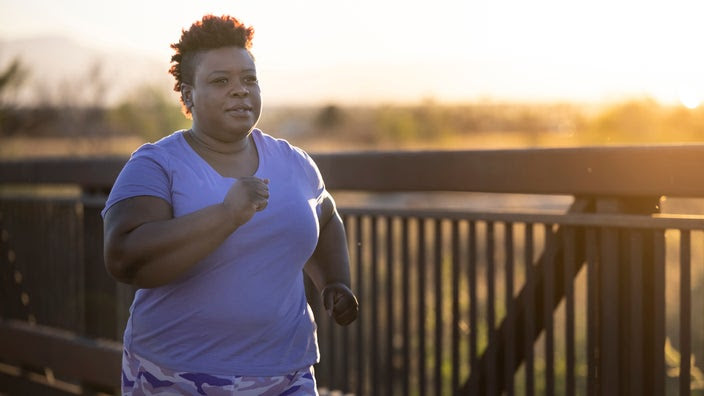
[240, 107]
[239, 110]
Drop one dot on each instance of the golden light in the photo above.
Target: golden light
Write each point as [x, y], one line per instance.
[689, 98]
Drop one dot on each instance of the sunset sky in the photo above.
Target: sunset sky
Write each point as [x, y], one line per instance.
[370, 51]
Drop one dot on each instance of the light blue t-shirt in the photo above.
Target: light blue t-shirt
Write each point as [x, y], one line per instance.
[242, 310]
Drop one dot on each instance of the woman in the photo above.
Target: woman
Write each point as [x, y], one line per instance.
[215, 225]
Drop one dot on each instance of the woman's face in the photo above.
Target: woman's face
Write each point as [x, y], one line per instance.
[225, 97]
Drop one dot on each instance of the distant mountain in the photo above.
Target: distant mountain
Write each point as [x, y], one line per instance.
[61, 68]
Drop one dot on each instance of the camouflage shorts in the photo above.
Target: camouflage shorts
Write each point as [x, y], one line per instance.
[142, 377]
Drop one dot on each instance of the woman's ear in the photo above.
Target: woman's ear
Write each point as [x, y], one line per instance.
[187, 95]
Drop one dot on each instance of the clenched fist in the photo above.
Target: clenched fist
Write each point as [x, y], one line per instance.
[340, 303]
[247, 196]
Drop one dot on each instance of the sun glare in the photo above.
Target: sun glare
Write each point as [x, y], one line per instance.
[690, 98]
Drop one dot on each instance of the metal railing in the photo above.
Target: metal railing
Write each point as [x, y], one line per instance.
[600, 297]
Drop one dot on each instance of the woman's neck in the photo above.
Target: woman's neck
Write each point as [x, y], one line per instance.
[215, 146]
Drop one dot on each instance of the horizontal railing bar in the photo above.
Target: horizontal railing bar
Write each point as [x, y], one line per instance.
[99, 172]
[35, 385]
[94, 361]
[655, 221]
[672, 170]
[655, 170]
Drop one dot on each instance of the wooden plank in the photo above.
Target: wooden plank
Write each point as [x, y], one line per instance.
[548, 304]
[528, 334]
[390, 311]
[636, 326]
[101, 297]
[617, 220]
[361, 290]
[20, 385]
[491, 353]
[685, 313]
[510, 315]
[455, 292]
[609, 314]
[374, 306]
[99, 172]
[421, 301]
[406, 304]
[91, 361]
[656, 345]
[568, 259]
[439, 303]
[593, 292]
[673, 170]
[472, 263]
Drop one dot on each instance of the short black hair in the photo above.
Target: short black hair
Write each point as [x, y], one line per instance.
[209, 33]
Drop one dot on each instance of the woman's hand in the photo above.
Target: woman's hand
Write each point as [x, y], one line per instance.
[340, 303]
[247, 196]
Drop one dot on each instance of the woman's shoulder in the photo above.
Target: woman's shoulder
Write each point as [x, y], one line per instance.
[278, 145]
[289, 155]
[166, 143]
[161, 149]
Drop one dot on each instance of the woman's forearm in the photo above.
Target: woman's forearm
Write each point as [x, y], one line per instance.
[330, 261]
[146, 246]
[330, 271]
[160, 252]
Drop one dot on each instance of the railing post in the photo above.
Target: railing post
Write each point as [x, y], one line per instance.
[628, 305]
[100, 289]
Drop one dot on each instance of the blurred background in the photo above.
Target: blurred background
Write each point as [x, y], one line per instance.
[85, 78]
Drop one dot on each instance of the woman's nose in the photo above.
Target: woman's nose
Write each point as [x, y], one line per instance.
[239, 90]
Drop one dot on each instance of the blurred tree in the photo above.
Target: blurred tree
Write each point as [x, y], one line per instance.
[435, 122]
[397, 125]
[82, 102]
[683, 124]
[632, 121]
[330, 117]
[72, 107]
[11, 79]
[148, 113]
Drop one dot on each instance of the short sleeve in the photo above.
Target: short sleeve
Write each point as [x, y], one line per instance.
[144, 174]
[314, 178]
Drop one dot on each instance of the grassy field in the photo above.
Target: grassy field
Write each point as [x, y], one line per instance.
[25, 147]
[428, 125]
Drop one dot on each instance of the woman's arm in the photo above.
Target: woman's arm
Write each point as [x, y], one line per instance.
[329, 267]
[146, 246]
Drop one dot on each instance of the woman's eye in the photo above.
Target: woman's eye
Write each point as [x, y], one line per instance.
[221, 80]
[251, 79]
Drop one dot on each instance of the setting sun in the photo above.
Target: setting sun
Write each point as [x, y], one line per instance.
[690, 98]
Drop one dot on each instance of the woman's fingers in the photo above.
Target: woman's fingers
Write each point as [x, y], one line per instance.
[341, 304]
